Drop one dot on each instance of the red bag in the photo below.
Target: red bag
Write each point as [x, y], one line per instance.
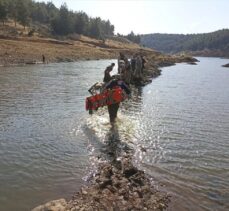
[108, 97]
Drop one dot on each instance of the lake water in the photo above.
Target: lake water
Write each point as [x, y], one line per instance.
[178, 126]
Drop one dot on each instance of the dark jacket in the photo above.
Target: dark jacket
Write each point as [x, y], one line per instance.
[119, 83]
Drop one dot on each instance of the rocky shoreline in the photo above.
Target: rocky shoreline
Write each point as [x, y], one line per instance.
[116, 185]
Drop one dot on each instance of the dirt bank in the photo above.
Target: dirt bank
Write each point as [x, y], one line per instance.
[21, 50]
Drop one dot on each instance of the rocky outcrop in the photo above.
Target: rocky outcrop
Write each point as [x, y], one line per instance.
[225, 65]
[192, 63]
[152, 68]
[188, 59]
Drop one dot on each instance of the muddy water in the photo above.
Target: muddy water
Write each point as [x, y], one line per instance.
[177, 128]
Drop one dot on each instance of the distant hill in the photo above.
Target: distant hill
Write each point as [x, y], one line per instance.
[206, 44]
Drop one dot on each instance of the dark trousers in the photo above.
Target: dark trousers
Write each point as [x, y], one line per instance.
[113, 110]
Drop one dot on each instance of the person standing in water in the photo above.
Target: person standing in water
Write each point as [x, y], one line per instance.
[107, 76]
[113, 108]
[43, 58]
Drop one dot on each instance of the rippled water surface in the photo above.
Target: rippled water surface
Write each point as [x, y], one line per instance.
[178, 126]
[185, 128]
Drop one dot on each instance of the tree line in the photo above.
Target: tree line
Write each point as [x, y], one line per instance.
[136, 38]
[61, 21]
[173, 43]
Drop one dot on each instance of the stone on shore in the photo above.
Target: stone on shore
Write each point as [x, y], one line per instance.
[55, 205]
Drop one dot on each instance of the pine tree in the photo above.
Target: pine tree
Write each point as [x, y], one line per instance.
[23, 12]
[3, 12]
[95, 28]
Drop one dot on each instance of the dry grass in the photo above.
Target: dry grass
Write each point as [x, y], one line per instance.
[19, 48]
[16, 47]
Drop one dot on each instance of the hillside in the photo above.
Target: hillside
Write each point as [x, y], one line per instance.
[17, 47]
[32, 29]
[206, 44]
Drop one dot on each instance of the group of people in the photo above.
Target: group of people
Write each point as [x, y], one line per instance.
[112, 82]
[129, 72]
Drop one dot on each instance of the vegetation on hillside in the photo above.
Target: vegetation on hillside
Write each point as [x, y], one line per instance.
[173, 43]
[132, 37]
[60, 21]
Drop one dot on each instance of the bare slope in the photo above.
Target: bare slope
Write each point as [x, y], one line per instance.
[16, 47]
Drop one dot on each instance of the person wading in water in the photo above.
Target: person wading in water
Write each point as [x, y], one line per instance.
[112, 84]
[107, 76]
